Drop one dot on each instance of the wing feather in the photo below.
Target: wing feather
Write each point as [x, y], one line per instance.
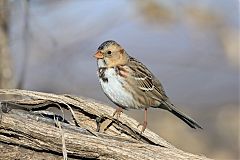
[145, 80]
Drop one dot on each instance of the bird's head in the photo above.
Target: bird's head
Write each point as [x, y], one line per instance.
[111, 54]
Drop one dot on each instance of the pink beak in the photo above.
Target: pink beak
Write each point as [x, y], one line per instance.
[98, 55]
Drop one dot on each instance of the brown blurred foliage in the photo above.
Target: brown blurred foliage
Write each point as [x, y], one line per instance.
[6, 75]
[208, 19]
[154, 12]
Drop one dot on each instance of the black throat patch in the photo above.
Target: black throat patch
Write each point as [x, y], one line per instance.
[101, 72]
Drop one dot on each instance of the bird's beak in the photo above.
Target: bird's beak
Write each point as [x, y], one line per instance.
[98, 55]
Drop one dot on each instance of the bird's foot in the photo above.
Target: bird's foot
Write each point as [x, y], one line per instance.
[144, 126]
[118, 112]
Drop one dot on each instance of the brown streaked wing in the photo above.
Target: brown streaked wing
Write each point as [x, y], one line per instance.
[146, 81]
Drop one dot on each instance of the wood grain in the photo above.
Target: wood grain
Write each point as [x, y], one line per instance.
[26, 133]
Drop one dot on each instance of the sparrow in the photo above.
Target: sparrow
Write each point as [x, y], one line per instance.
[130, 85]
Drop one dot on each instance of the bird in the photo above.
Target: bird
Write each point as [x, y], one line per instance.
[129, 84]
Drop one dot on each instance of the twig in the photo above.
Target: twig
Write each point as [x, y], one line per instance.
[64, 150]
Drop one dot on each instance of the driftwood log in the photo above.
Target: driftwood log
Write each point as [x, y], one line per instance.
[83, 129]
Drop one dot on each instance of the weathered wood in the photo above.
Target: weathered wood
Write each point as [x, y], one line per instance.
[30, 135]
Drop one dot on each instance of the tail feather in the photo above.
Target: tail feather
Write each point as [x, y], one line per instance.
[183, 117]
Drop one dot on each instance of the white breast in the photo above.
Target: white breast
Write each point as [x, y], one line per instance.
[114, 90]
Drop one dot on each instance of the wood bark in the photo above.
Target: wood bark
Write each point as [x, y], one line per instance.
[27, 130]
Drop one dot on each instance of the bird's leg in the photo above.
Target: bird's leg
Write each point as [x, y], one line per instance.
[144, 124]
[118, 111]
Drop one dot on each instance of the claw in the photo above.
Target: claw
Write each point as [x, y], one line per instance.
[144, 126]
[118, 112]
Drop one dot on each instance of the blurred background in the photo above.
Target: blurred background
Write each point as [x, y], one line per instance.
[191, 46]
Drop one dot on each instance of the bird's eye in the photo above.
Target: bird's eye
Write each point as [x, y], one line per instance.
[109, 52]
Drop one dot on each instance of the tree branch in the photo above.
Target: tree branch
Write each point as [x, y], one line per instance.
[29, 132]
